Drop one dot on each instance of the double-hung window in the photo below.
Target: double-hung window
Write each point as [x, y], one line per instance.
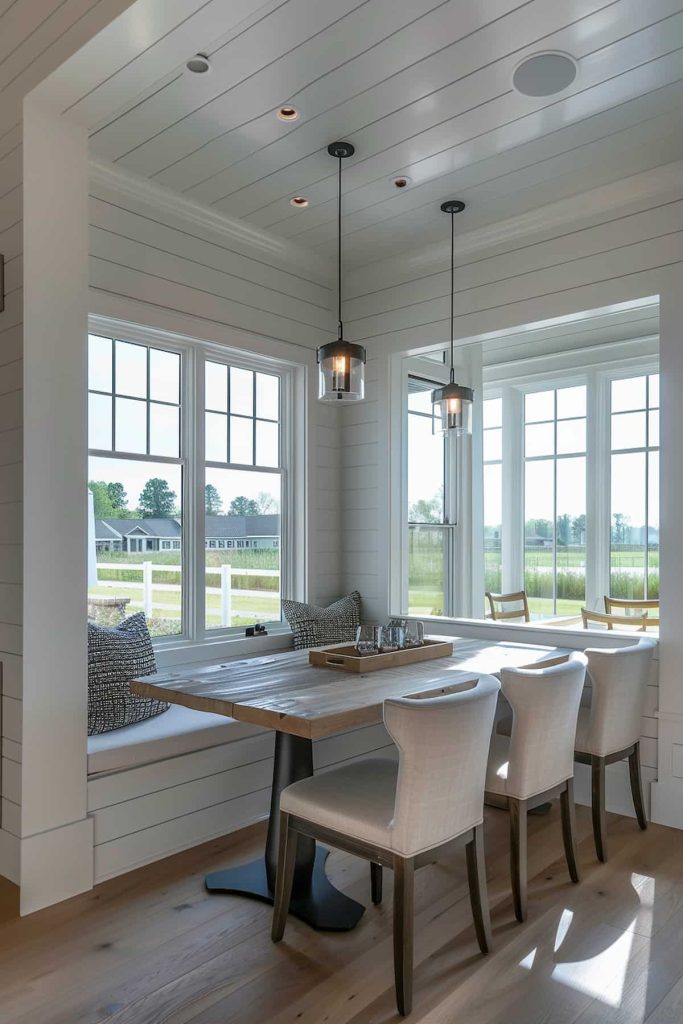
[190, 449]
[430, 507]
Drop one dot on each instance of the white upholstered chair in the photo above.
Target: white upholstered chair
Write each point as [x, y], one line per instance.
[398, 815]
[609, 728]
[536, 761]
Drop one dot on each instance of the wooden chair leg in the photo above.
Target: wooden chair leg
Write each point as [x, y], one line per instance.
[637, 785]
[518, 856]
[476, 875]
[376, 882]
[598, 805]
[285, 876]
[569, 829]
[404, 878]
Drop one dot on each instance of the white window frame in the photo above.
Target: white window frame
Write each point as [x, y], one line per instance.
[598, 450]
[194, 353]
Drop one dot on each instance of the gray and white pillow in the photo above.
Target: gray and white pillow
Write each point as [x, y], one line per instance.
[117, 654]
[313, 626]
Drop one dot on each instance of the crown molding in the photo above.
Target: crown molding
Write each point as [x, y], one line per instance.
[237, 234]
[661, 184]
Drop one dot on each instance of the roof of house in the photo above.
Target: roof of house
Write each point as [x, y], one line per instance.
[220, 527]
[217, 527]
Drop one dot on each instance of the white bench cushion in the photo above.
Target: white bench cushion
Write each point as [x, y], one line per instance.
[177, 731]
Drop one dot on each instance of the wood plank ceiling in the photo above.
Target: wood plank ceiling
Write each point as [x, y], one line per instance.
[422, 88]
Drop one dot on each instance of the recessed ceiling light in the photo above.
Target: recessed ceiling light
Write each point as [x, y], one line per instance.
[288, 113]
[401, 182]
[544, 74]
[199, 64]
[300, 202]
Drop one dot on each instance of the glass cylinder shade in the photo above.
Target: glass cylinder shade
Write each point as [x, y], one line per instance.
[452, 406]
[341, 373]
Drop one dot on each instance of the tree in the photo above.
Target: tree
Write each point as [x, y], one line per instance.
[118, 497]
[242, 506]
[579, 529]
[157, 499]
[103, 504]
[426, 510]
[620, 525]
[563, 529]
[267, 504]
[213, 503]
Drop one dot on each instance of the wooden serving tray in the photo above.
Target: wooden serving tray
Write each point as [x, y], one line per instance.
[346, 658]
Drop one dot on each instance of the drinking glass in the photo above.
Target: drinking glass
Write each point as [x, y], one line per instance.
[390, 639]
[366, 640]
[414, 634]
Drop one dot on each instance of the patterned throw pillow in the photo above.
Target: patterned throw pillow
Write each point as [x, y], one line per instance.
[117, 654]
[313, 626]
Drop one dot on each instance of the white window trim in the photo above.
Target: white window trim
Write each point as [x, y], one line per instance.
[195, 642]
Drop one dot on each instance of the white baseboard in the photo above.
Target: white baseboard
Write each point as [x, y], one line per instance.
[617, 788]
[667, 803]
[56, 865]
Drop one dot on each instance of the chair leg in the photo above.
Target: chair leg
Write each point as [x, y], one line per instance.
[569, 829]
[376, 882]
[518, 856]
[285, 876]
[404, 878]
[476, 875]
[598, 805]
[637, 785]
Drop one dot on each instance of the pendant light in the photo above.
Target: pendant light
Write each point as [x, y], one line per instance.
[453, 402]
[342, 364]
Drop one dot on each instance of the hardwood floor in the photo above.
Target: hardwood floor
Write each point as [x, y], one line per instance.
[153, 947]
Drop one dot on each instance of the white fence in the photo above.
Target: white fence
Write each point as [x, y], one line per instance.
[226, 589]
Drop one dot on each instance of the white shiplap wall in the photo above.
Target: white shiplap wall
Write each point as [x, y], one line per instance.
[402, 305]
[36, 36]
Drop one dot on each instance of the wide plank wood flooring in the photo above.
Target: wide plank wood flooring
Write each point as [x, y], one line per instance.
[153, 947]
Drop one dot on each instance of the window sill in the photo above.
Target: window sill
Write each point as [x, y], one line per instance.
[170, 654]
[518, 632]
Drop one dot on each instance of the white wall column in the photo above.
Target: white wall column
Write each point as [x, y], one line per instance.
[667, 792]
[56, 836]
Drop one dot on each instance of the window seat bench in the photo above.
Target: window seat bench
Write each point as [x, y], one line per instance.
[177, 731]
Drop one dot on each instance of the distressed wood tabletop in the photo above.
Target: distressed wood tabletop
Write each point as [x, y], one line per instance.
[284, 692]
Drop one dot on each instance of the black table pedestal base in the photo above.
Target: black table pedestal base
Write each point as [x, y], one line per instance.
[322, 906]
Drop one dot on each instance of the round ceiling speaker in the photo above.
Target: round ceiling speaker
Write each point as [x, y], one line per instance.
[199, 64]
[544, 74]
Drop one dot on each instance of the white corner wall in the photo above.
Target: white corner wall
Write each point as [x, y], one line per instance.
[36, 36]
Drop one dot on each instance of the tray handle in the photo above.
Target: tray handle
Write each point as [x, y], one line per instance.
[332, 660]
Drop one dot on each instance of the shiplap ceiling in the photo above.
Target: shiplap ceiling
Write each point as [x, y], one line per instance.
[422, 88]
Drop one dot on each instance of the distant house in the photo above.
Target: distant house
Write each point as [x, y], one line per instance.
[533, 540]
[222, 533]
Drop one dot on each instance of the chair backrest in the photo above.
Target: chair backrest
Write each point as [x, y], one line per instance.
[498, 605]
[622, 606]
[545, 707]
[619, 679]
[637, 622]
[443, 745]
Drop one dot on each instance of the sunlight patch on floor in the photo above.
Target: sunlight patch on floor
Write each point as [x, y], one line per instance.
[601, 976]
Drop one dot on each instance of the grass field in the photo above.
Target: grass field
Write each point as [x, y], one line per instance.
[164, 621]
[426, 575]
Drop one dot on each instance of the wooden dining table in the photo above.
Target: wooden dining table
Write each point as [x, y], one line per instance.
[303, 703]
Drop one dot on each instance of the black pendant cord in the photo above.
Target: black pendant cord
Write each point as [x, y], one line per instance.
[339, 252]
[452, 377]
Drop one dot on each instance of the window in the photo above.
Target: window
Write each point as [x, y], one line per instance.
[168, 423]
[429, 530]
[634, 471]
[136, 474]
[555, 501]
[493, 494]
